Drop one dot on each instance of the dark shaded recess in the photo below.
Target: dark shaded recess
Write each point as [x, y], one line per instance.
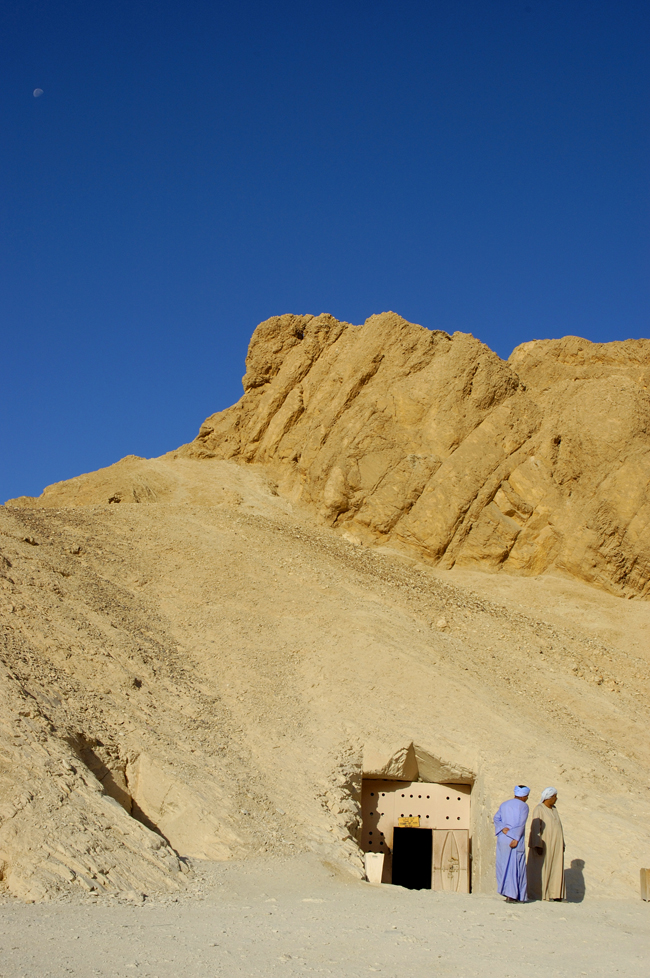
[412, 858]
[113, 778]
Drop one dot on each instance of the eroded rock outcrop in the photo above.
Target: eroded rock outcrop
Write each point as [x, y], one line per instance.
[193, 668]
[431, 441]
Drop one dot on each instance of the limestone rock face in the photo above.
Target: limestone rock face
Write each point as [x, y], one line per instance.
[397, 433]
[195, 665]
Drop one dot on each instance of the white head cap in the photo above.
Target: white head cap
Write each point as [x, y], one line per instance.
[548, 793]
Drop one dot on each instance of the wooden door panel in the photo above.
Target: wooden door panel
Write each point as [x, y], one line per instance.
[451, 860]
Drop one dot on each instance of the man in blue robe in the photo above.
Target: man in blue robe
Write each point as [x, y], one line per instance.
[510, 828]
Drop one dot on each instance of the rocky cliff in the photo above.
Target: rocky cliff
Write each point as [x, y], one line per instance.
[193, 667]
[432, 442]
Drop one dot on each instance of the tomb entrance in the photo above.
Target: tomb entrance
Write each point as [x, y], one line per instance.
[416, 833]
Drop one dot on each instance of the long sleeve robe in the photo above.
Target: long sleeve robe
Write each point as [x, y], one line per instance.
[546, 871]
[511, 862]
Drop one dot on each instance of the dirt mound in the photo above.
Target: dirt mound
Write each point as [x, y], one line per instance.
[429, 441]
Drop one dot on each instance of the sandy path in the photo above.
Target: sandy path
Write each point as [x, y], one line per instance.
[292, 916]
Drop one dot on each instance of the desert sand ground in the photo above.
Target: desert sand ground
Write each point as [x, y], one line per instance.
[295, 915]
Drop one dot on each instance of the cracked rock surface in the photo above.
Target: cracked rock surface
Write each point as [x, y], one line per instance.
[397, 433]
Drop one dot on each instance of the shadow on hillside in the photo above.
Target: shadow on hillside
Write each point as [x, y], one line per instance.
[575, 881]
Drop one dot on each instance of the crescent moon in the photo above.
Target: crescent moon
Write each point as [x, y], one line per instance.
[38, 92]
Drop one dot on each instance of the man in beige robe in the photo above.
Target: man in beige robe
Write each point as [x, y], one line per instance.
[546, 851]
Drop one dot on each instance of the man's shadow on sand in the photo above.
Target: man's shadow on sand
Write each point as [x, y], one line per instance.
[575, 881]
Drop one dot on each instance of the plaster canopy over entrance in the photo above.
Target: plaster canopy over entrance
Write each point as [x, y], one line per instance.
[413, 763]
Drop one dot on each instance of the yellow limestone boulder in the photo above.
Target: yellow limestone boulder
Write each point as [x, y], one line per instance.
[399, 433]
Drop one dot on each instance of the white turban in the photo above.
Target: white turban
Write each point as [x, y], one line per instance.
[521, 791]
[548, 793]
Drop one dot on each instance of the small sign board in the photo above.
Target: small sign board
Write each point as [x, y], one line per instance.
[408, 822]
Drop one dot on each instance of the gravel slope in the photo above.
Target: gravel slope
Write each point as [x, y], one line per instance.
[223, 661]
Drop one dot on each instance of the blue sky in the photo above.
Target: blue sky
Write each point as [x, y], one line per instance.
[194, 168]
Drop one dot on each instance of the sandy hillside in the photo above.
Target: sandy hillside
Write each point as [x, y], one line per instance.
[197, 669]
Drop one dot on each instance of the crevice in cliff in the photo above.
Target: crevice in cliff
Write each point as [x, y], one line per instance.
[110, 768]
[484, 496]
